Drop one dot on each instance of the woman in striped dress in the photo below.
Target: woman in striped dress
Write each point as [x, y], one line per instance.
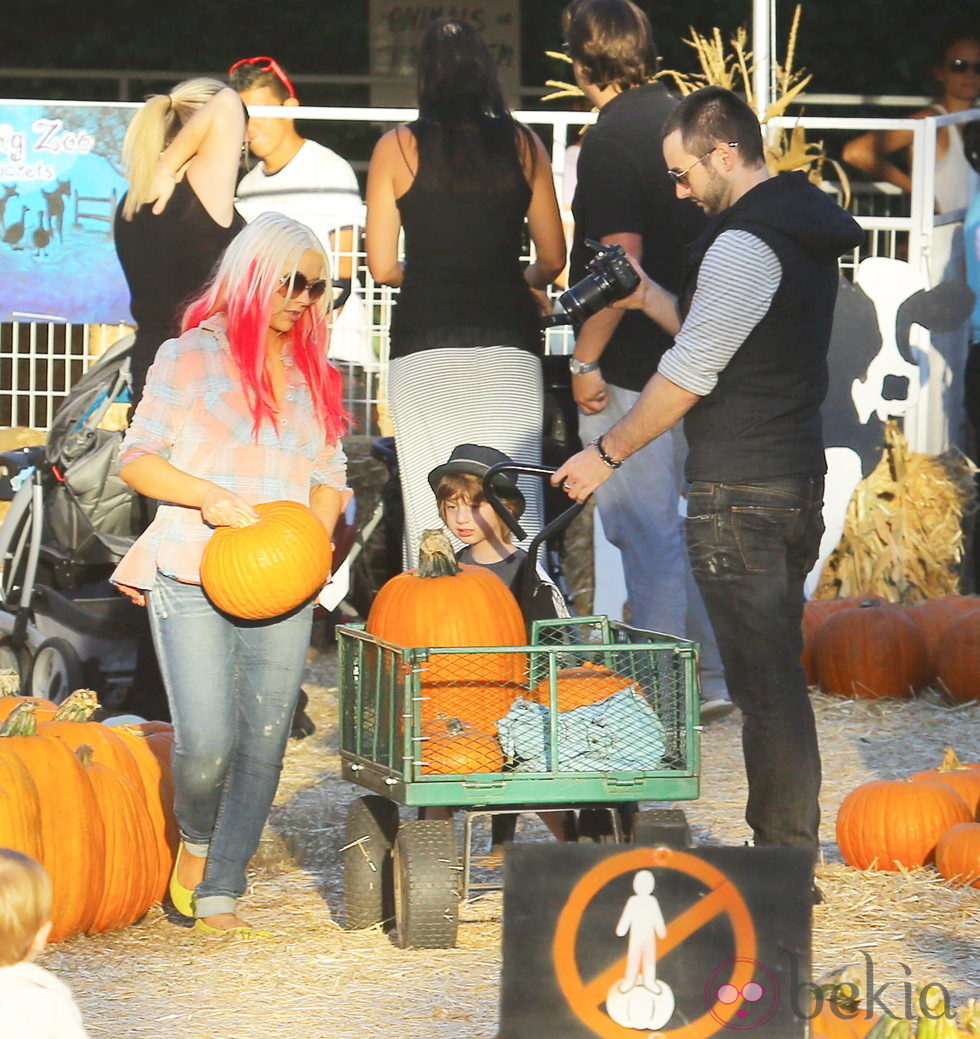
[460, 182]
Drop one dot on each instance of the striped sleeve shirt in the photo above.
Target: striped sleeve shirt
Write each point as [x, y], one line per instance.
[194, 413]
[737, 280]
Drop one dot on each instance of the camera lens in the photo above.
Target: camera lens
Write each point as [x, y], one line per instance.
[585, 298]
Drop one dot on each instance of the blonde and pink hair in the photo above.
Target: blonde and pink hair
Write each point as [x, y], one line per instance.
[244, 289]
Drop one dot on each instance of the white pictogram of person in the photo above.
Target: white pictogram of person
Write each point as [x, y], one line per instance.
[639, 1000]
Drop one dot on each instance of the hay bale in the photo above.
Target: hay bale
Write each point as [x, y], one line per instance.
[903, 530]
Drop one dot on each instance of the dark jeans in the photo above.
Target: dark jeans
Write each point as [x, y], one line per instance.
[751, 545]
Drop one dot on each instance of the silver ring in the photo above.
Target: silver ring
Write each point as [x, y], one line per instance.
[565, 486]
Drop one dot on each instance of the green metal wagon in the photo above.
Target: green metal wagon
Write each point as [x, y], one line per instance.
[634, 738]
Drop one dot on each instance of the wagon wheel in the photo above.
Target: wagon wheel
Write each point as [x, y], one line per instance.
[56, 671]
[369, 898]
[427, 883]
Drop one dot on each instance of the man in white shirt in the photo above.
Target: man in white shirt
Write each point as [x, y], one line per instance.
[310, 183]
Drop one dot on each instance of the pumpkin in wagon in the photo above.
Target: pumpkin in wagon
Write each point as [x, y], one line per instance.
[453, 747]
[443, 603]
[579, 686]
[269, 567]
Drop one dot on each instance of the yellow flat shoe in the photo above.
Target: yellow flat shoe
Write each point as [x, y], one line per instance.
[182, 897]
[247, 933]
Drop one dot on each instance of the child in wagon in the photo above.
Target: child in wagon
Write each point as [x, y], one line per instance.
[34, 1004]
[487, 542]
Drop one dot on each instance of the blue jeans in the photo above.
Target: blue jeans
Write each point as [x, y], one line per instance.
[751, 546]
[639, 510]
[232, 687]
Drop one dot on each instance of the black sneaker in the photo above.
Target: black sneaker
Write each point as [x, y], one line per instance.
[303, 725]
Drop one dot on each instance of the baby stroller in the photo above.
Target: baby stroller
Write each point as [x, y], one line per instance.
[71, 519]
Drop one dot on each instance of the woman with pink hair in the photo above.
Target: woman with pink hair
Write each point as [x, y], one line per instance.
[242, 408]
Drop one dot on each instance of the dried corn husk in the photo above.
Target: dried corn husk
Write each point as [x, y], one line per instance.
[903, 530]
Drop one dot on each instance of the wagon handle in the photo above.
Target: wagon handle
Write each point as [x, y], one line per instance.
[557, 524]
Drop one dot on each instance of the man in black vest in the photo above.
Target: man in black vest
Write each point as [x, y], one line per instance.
[747, 372]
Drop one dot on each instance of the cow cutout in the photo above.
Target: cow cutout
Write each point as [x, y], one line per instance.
[879, 361]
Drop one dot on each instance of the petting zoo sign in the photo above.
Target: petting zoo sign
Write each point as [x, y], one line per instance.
[628, 942]
[60, 181]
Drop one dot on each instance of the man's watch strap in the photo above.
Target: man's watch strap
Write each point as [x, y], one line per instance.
[577, 367]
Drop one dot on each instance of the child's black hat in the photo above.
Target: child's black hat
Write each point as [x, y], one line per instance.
[474, 460]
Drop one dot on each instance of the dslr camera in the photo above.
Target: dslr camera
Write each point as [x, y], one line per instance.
[611, 277]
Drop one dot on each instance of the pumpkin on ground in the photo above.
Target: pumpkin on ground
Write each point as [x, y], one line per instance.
[444, 604]
[958, 667]
[578, 686]
[452, 747]
[964, 779]
[874, 651]
[126, 889]
[895, 824]
[10, 697]
[157, 786]
[269, 567]
[72, 838]
[815, 612]
[20, 816]
[934, 617]
[958, 854]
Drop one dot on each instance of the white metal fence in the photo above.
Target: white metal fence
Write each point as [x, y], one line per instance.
[40, 361]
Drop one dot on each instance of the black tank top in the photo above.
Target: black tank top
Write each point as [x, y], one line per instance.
[463, 283]
[169, 257]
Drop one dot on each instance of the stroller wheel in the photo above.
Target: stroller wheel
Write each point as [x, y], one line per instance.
[56, 671]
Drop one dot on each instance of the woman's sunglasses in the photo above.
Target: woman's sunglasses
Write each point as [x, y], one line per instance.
[267, 65]
[294, 285]
[961, 65]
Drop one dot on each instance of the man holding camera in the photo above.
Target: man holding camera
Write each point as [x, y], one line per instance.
[623, 196]
[748, 373]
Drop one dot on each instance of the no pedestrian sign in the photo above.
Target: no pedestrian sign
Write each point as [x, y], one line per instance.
[629, 942]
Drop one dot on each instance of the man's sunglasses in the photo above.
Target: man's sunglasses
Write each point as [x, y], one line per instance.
[680, 176]
[267, 65]
[294, 285]
[961, 65]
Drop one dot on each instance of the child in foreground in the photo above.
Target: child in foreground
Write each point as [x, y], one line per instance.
[458, 487]
[34, 1004]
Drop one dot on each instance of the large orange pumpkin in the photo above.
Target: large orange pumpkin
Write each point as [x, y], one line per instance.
[443, 604]
[895, 824]
[72, 839]
[126, 889]
[874, 651]
[934, 617]
[815, 612]
[20, 817]
[958, 854]
[964, 779]
[577, 686]
[453, 747]
[270, 567]
[958, 665]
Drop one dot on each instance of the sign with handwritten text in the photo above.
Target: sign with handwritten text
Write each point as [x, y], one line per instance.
[397, 28]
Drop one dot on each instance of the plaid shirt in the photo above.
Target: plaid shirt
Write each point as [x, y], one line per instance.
[194, 414]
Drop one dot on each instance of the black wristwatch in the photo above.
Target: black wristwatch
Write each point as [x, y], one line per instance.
[577, 367]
